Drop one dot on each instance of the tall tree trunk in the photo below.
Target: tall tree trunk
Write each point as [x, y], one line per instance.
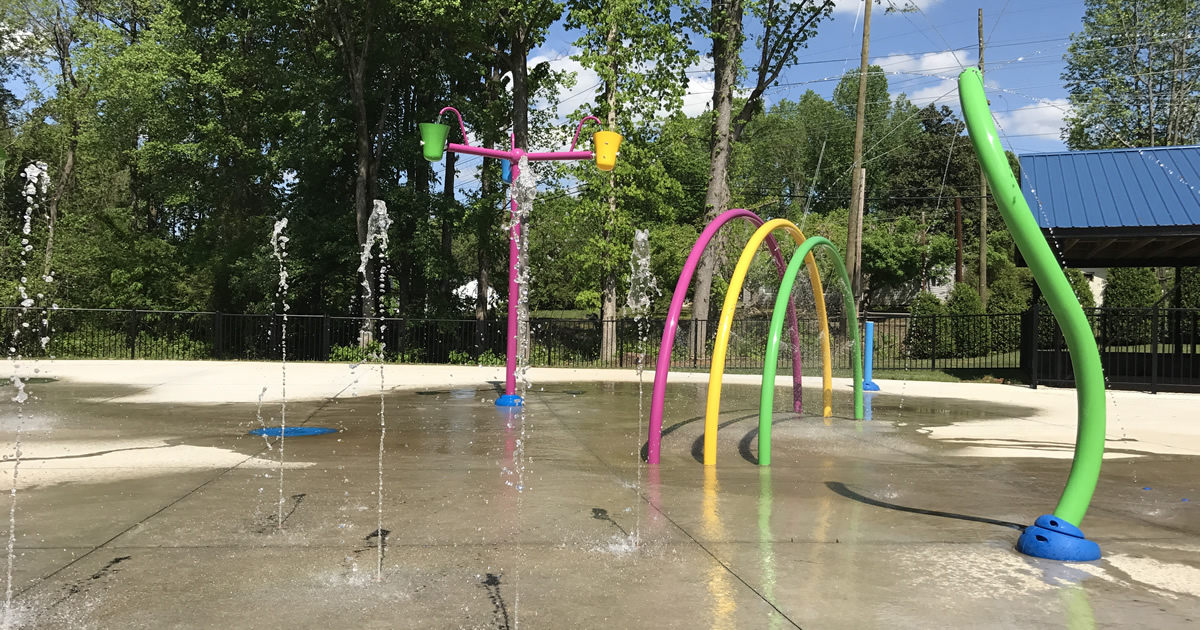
[483, 234]
[520, 88]
[608, 304]
[63, 39]
[447, 220]
[727, 27]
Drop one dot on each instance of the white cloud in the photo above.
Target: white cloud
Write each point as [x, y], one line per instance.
[855, 6]
[926, 78]
[1043, 117]
[587, 82]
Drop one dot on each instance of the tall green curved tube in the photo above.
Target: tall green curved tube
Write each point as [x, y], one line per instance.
[782, 299]
[1085, 358]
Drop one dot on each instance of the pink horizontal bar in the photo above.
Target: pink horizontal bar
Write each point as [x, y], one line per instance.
[559, 155]
[470, 150]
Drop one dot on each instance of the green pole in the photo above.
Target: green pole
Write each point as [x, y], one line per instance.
[1085, 358]
[767, 394]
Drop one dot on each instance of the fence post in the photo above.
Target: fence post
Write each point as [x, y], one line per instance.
[133, 332]
[218, 330]
[326, 348]
[621, 343]
[1029, 343]
[1036, 344]
[933, 352]
[1154, 351]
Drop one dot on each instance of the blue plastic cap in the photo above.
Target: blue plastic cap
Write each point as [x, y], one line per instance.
[509, 400]
[1054, 523]
[870, 386]
[1053, 538]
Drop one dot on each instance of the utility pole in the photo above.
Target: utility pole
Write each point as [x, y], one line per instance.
[924, 252]
[958, 237]
[983, 289]
[858, 175]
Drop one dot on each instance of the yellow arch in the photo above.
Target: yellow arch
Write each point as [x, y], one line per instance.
[717, 371]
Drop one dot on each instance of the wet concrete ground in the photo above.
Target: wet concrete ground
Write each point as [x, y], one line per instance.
[166, 515]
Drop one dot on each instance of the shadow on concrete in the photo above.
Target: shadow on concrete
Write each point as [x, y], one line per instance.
[841, 489]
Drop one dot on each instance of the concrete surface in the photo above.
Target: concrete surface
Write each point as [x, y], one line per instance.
[142, 502]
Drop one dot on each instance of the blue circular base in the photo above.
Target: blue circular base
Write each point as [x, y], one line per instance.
[509, 400]
[870, 386]
[292, 431]
[1055, 539]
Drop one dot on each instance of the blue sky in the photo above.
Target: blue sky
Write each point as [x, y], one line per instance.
[1025, 39]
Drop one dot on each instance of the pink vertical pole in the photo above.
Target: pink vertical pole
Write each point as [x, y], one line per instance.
[510, 397]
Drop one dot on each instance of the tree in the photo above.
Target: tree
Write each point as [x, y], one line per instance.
[1133, 75]
[969, 329]
[1131, 287]
[54, 26]
[902, 251]
[785, 28]
[929, 330]
[637, 49]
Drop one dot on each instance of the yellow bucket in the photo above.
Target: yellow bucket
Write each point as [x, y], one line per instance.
[605, 145]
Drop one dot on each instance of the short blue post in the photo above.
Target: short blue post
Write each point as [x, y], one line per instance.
[868, 366]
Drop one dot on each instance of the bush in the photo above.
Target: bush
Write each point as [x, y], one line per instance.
[1130, 287]
[1009, 295]
[1191, 287]
[1083, 294]
[463, 357]
[355, 354]
[921, 337]
[179, 347]
[970, 329]
[1010, 292]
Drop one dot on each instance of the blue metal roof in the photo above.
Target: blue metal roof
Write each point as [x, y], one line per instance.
[1117, 188]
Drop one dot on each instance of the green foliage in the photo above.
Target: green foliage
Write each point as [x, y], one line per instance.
[1009, 294]
[1128, 56]
[1191, 287]
[1131, 287]
[1010, 289]
[970, 329]
[463, 357]
[355, 353]
[929, 333]
[897, 251]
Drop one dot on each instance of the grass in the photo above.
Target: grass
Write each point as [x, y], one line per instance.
[1002, 375]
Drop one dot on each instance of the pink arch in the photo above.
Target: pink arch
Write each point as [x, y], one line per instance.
[668, 338]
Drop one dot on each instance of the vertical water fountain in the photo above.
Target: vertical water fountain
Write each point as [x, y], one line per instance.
[377, 234]
[279, 249]
[36, 183]
[642, 291]
[524, 191]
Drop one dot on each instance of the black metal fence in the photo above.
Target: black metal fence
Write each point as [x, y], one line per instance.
[1149, 348]
[901, 342]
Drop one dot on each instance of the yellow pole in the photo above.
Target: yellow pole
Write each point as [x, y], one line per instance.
[720, 346]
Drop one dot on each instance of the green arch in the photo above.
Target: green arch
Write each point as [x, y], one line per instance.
[767, 397]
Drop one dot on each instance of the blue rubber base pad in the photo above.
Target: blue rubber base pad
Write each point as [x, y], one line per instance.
[1055, 539]
[292, 431]
[509, 400]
